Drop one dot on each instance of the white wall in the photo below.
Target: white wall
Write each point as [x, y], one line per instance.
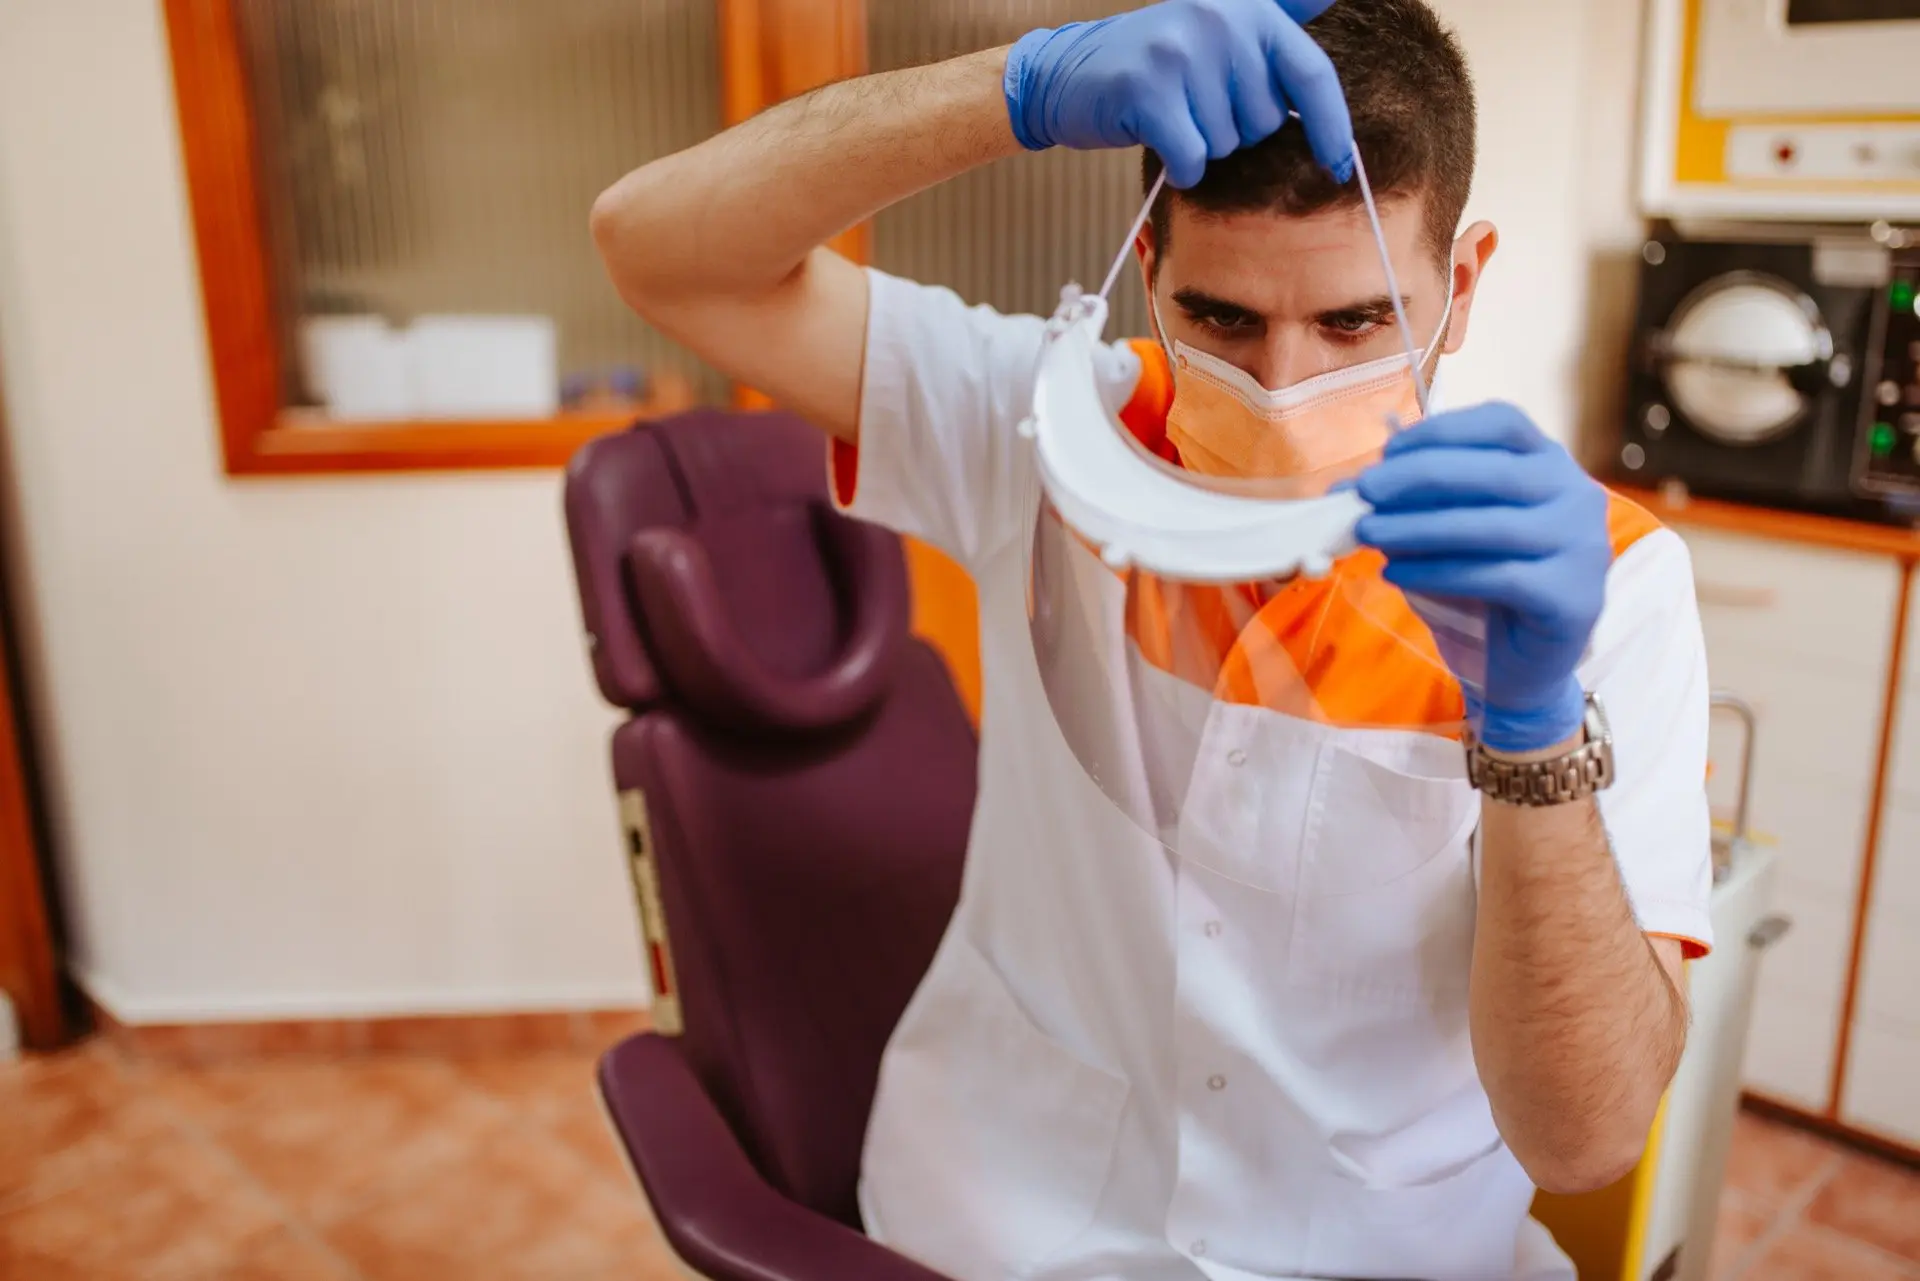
[1612, 231]
[330, 746]
[1557, 84]
[1524, 334]
[317, 746]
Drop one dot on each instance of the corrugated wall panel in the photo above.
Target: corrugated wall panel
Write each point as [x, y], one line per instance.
[1013, 233]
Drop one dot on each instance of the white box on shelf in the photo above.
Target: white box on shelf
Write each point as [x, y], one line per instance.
[359, 367]
[485, 366]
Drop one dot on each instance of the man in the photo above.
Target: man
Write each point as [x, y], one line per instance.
[1356, 1052]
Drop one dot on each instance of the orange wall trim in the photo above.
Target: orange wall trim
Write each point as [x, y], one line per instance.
[1781, 526]
[1778, 1111]
[28, 968]
[946, 614]
[581, 1031]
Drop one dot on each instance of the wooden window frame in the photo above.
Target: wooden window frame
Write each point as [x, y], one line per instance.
[30, 963]
[770, 49]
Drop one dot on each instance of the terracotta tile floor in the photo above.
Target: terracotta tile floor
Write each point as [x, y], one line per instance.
[1797, 1208]
[304, 1169]
[409, 1169]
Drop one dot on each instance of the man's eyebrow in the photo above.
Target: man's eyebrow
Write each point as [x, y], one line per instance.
[1201, 305]
[1377, 310]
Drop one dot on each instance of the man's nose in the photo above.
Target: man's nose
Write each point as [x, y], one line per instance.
[1286, 358]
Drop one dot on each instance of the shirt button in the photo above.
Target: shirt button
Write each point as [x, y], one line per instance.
[1198, 1249]
[1216, 1083]
[1236, 758]
[1212, 929]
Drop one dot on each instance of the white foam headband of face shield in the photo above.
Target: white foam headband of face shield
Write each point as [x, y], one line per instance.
[1142, 514]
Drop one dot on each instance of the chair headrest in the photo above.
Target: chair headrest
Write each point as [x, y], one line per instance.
[714, 571]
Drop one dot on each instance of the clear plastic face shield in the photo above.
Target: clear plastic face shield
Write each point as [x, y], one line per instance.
[1224, 599]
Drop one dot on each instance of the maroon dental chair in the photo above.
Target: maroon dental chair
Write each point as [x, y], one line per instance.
[797, 780]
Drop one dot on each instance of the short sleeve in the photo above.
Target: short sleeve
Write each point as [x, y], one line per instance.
[944, 389]
[1648, 667]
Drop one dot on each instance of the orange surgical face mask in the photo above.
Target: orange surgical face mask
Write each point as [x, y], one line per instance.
[1310, 435]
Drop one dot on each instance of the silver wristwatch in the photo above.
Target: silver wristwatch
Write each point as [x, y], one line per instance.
[1573, 776]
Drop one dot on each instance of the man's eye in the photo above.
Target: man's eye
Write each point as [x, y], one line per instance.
[1350, 329]
[1228, 326]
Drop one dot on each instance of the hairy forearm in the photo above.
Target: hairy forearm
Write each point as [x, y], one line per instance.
[1577, 1028]
[739, 213]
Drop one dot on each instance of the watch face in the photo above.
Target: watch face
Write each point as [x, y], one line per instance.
[1597, 726]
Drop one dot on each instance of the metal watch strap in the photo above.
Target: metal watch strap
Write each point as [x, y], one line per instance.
[1572, 776]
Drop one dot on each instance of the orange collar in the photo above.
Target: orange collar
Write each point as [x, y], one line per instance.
[1345, 650]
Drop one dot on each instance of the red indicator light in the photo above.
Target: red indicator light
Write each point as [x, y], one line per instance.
[662, 985]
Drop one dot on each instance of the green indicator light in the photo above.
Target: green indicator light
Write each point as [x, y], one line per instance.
[1883, 438]
[1902, 295]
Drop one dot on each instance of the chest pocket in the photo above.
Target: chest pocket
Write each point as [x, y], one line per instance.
[1386, 897]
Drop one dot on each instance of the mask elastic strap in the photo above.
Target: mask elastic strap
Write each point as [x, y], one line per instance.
[1133, 234]
[1393, 287]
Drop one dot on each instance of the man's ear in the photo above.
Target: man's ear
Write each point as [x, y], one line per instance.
[1149, 256]
[1471, 253]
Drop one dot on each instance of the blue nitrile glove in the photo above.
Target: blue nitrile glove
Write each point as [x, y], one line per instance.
[1477, 505]
[1193, 79]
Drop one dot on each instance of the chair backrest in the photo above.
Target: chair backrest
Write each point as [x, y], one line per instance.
[806, 768]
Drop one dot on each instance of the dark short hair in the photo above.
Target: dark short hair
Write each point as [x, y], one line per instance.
[1411, 96]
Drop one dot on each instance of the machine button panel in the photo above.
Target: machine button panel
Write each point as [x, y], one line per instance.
[1836, 153]
[1888, 456]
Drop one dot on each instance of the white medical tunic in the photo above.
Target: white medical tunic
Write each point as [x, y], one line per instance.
[1128, 1065]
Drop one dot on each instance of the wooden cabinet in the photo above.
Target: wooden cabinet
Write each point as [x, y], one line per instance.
[1804, 635]
[1811, 622]
[1881, 1090]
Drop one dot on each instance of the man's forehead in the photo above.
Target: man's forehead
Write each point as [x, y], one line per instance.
[1251, 256]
